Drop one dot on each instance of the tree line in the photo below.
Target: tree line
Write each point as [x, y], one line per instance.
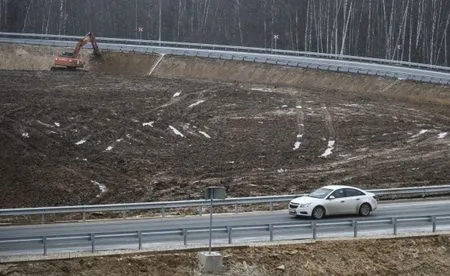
[409, 30]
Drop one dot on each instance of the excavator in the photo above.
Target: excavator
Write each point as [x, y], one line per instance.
[72, 60]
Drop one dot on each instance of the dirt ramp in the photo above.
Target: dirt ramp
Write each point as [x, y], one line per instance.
[120, 63]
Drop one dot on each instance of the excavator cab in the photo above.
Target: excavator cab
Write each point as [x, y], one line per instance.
[72, 60]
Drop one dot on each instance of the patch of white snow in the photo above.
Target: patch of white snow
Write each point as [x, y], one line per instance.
[102, 188]
[176, 94]
[26, 135]
[297, 145]
[442, 135]
[420, 133]
[57, 124]
[196, 103]
[80, 142]
[109, 148]
[330, 147]
[204, 134]
[176, 131]
[148, 124]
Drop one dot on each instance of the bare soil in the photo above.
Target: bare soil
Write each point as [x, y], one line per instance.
[112, 133]
[428, 255]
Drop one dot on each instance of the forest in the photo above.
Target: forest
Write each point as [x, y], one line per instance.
[408, 30]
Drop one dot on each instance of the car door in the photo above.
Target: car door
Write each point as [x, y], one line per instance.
[353, 200]
[336, 203]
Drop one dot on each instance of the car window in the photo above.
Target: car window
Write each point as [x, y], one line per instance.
[353, 192]
[338, 193]
[320, 193]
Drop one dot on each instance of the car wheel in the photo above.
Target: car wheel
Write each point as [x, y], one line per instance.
[318, 212]
[364, 209]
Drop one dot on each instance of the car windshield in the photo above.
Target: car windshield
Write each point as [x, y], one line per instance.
[320, 193]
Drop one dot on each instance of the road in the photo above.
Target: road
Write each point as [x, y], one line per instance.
[245, 227]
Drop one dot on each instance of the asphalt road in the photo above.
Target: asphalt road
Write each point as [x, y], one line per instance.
[194, 230]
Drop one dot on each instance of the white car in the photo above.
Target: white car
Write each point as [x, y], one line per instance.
[333, 200]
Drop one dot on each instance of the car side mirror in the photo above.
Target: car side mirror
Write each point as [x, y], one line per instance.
[331, 197]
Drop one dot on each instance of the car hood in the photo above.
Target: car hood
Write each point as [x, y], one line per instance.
[305, 200]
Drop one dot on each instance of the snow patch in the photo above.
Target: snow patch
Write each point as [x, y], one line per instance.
[176, 94]
[80, 142]
[281, 170]
[330, 147]
[297, 145]
[196, 103]
[204, 134]
[148, 124]
[420, 133]
[102, 188]
[57, 124]
[26, 135]
[262, 89]
[109, 148]
[176, 131]
[284, 106]
[298, 106]
[442, 135]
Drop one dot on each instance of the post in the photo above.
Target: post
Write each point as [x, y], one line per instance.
[355, 228]
[140, 239]
[394, 222]
[160, 21]
[433, 220]
[42, 218]
[185, 232]
[271, 232]
[229, 229]
[93, 242]
[314, 230]
[210, 223]
[44, 241]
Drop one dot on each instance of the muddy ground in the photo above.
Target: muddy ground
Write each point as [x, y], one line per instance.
[139, 128]
[401, 256]
[114, 134]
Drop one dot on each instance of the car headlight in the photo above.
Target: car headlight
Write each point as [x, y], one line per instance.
[304, 205]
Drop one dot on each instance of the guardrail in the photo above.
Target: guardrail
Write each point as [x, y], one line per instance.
[287, 231]
[308, 60]
[232, 48]
[163, 206]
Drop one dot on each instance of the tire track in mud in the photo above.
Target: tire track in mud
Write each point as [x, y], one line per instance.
[300, 124]
[331, 132]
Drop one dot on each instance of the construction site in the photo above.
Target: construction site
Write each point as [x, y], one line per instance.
[140, 128]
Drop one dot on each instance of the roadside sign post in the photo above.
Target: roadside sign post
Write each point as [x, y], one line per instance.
[140, 30]
[211, 193]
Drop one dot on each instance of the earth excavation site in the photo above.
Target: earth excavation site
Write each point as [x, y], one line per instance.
[136, 128]
[115, 134]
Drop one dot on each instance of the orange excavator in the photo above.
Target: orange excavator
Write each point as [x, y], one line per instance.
[72, 60]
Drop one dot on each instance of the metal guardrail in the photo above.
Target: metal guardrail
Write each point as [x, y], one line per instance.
[355, 226]
[232, 48]
[163, 206]
[308, 60]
